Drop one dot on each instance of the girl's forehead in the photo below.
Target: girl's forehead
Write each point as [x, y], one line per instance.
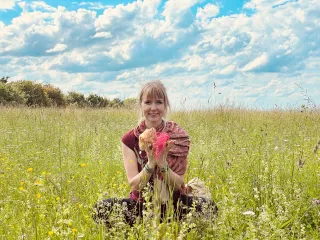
[152, 96]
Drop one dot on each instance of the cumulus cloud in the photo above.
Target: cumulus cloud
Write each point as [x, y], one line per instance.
[40, 5]
[209, 11]
[94, 5]
[249, 57]
[102, 35]
[256, 63]
[57, 48]
[7, 4]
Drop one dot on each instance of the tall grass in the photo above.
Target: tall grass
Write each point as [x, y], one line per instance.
[260, 166]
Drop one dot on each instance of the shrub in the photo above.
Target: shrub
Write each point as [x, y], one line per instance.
[32, 93]
[97, 101]
[116, 103]
[4, 79]
[130, 103]
[76, 99]
[9, 96]
[55, 95]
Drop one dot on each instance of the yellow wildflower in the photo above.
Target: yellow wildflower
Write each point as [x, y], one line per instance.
[20, 188]
[38, 195]
[83, 164]
[50, 233]
[30, 169]
[38, 182]
[74, 230]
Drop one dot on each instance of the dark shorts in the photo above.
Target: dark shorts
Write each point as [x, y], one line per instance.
[131, 209]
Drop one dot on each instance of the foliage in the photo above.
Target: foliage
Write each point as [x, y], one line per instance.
[32, 93]
[97, 101]
[260, 167]
[9, 96]
[4, 79]
[55, 95]
[116, 103]
[130, 103]
[76, 99]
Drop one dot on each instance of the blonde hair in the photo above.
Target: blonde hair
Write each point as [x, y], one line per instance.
[154, 89]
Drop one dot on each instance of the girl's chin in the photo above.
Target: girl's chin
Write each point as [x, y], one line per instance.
[154, 118]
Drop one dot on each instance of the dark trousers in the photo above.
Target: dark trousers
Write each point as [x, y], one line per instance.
[131, 209]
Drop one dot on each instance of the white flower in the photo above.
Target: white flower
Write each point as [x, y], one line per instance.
[276, 148]
[249, 213]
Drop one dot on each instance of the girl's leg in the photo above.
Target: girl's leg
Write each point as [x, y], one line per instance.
[129, 208]
[184, 204]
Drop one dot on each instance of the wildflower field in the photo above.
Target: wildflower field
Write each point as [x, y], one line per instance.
[262, 168]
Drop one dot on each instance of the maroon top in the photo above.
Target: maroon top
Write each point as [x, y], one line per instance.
[132, 142]
[176, 158]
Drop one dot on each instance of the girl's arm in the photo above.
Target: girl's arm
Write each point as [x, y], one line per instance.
[173, 179]
[136, 179]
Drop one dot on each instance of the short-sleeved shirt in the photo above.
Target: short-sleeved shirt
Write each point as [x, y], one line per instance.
[132, 142]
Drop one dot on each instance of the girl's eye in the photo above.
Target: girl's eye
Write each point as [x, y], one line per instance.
[159, 102]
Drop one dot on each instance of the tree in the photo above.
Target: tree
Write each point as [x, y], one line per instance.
[9, 96]
[33, 93]
[77, 99]
[4, 79]
[56, 97]
[116, 103]
[97, 101]
[130, 103]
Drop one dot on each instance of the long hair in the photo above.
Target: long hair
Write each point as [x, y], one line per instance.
[154, 89]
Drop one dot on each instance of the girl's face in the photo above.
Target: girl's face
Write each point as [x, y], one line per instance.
[153, 110]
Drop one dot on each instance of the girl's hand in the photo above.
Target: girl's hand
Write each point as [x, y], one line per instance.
[163, 157]
[150, 154]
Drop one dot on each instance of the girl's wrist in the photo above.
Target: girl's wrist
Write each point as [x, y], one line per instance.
[149, 168]
[164, 167]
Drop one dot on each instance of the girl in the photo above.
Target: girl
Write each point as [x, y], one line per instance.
[164, 175]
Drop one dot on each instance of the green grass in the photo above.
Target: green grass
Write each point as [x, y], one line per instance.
[56, 163]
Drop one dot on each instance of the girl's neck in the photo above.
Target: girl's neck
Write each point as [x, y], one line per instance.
[153, 124]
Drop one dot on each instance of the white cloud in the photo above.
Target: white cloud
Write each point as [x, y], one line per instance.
[40, 5]
[209, 11]
[7, 4]
[94, 5]
[102, 35]
[251, 58]
[256, 63]
[57, 48]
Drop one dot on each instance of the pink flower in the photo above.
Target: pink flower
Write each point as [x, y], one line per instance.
[160, 143]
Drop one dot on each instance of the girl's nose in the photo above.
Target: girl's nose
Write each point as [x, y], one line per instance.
[153, 106]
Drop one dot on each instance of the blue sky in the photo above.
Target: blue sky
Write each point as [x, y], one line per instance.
[252, 53]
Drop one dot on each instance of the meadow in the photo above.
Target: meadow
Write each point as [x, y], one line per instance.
[260, 166]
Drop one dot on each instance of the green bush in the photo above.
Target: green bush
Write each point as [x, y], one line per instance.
[97, 101]
[8, 96]
[4, 79]
[33, 93]
[130, 103]
[116, 103]
[76, 99]
[55, 95]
